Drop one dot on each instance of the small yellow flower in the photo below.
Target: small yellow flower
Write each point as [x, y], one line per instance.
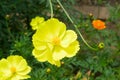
[52, 42]
[14, 68]
[35, 23]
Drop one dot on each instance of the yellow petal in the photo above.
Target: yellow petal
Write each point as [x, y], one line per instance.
[25, 71]
[72, 49]
[45, 56]
[24, 77]
[59, 53]
[14, 59]
[36, 22]
[41, 55]
[57, 63]
[22, 65]
[56, 27]
[50, 29]
[4, 68]
[39, 45]
[16, 63]
[3, 64]
[70, 36]
[50, 46]
[2, 77]
[19, 77]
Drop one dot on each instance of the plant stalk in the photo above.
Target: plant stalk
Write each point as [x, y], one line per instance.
[76, 27]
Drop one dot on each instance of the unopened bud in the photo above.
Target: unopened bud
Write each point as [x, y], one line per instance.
[84, 78]
[48, 70]
[62, 62]
[7, 17]
[101, 45]
[90, 14]
[58, 6]
[88, 73]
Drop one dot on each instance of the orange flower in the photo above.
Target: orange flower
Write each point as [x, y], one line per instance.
[98, 24]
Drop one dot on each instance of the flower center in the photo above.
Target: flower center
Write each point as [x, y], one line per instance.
[13, 69]
[56, 41]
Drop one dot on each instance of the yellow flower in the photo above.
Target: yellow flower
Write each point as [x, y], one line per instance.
[52, 42]
[14, 68]
[36, 21]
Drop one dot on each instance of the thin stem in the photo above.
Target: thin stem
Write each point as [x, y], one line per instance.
[75, 26]
[51, 8]
[12, 37]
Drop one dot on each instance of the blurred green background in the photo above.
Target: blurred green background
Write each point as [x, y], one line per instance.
[16, 34]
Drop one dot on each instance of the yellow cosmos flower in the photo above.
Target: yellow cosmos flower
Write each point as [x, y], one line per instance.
[14, 68]
[36, 21]
[52, 42]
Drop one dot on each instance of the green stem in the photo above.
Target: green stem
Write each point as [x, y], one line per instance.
[12, 37]
[51, 8]
[75, 26]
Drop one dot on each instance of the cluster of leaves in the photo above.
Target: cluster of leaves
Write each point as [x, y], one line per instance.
[16, 33]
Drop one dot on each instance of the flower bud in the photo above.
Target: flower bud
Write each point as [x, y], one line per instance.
[7, 17]
[101, 45]
[48, 70]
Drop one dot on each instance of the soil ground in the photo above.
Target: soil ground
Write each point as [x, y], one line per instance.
[99, 10]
